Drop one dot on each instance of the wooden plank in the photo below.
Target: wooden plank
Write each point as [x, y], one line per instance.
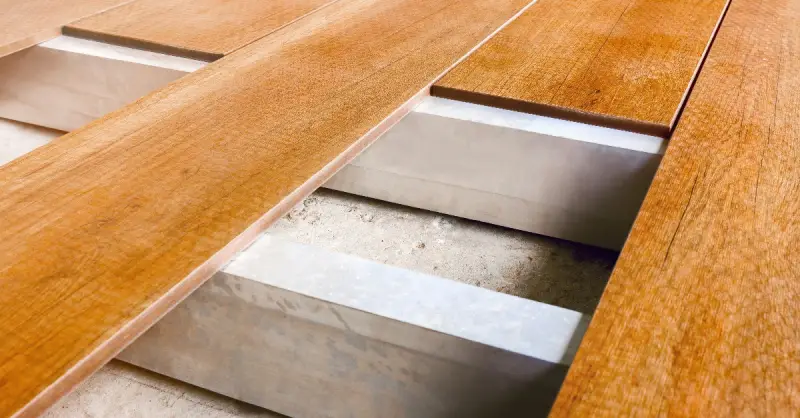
[107, 228]
[24, 23]
[702, 314]
[624, 64]
[201, 29]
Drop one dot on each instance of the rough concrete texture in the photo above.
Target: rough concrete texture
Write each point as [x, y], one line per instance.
[120, 390]
[518, 263]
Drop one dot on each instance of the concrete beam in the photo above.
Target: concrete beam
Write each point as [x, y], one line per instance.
[307, 332]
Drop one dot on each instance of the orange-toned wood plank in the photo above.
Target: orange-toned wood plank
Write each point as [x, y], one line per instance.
[105, 229]
[620, 63]
[24, 23]
[202, 29]
[701, 317]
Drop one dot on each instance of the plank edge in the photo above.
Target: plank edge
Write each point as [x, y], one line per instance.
[507, 103]
[130, 42]
[29, 41]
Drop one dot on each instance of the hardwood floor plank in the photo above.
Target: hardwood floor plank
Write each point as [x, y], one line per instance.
[702, 314]
[107, 228]
[24, 23]
[624, 64]
[201, 29]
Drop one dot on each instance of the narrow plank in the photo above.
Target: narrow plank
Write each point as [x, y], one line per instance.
[702, 314]
[24, 23]
[107, 228]
[624, 64]
[200, 29]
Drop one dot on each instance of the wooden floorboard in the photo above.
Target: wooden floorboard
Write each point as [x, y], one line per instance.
[620, 63]
[24, 23]
[701, 316]
[107, 228]
[201, 29]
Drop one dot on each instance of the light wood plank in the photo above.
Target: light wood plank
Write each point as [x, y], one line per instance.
[620, 63]
[107, 228]
[702, 314]
[201, 29]
[24, 23]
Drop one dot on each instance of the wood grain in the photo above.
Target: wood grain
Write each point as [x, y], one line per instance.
[107, 228]
[625, 64]
[24, 23]
[201, 29]
[702, 314]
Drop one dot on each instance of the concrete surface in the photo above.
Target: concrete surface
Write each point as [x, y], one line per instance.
[523, 264]
[120, 390]
[563, 179]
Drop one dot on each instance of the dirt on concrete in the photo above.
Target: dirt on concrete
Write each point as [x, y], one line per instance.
[518, 263]
[513, 262]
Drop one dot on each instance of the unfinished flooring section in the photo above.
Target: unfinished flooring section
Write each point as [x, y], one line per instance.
[29, 22]
[166, 148]
[536, 267]
[518, 263]
[202, 29]
[523, 264]
[120, 390]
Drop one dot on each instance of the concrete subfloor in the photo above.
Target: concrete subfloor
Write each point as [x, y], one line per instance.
[120, 390]
[519, 263]
[522, 264]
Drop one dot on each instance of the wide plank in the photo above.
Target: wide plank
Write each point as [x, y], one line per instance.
[201, 29]
[107, 228]
[701, 317]
[624, 64]
[24, 23]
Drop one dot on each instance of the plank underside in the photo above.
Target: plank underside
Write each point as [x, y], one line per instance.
[107, 228]
[24, 23]
[626, 64]
[700, 317]
[201, 29]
